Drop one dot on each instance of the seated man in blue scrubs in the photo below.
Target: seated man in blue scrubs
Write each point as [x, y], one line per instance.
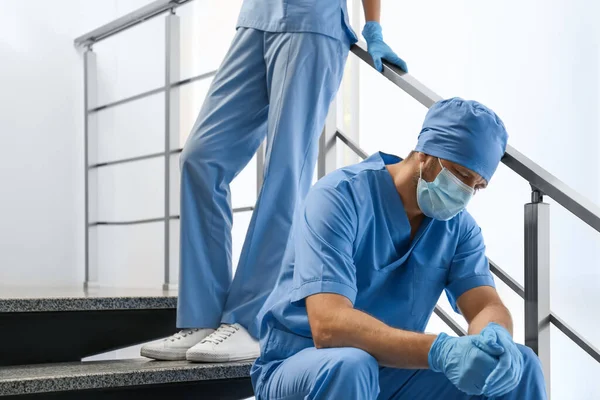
[372, 249]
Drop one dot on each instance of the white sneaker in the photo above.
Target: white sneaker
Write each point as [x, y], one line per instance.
[174, 347]
[228, 343]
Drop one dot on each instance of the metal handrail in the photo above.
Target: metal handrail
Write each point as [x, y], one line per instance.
[537, 176]
[571, 334]
[151, 92]
[507, 279]
[133, 159]
[448, 320]
[127, 21]
[160, 219]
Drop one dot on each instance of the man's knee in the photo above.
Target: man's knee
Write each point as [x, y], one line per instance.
[353, 367]
[530, 359]
[532, 367]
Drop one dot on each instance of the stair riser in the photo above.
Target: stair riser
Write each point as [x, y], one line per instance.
[45, 337]
[223, 389]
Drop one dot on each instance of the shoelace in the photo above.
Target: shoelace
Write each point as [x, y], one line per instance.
[183, 333]
[221, 334]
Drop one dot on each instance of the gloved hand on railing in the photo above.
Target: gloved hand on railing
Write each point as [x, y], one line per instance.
[507, 374]
[378, 49]
[466, 361]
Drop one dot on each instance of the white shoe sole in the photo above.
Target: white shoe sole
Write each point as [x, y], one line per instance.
[196, 356]
[164, 354]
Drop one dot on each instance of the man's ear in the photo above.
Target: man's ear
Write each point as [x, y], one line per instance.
[429, 164]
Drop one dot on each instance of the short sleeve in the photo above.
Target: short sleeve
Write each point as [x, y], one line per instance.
[469, 267]
[324, 238]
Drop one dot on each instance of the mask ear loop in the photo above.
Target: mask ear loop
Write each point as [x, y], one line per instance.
[441, 165]
[421, 171]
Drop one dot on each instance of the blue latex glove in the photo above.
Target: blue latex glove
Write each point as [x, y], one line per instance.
[466, 361]
[507, 374]
[378, 49]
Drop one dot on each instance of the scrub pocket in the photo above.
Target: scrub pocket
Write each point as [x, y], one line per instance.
[429, 282]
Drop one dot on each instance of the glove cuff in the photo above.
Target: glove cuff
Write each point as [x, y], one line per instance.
[496, 325]
[436, 353]
[372, 31]
[499, 329]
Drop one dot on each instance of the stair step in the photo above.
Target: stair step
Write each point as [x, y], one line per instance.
[23, 299]
[75, 324]
[124, 378]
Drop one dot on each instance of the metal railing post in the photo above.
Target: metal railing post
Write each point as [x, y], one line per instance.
[537, 280]
[90, 150]
[172, 68]
[260, 168]
[327, 143]
[350, 92]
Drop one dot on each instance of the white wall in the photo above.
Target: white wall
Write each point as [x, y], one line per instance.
[536, 63]
[41, 128]
[41, 124]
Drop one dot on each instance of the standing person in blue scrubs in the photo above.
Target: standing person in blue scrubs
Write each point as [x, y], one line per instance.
[371, 251]
[277, 81]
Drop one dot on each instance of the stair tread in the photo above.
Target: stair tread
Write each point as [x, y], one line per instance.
[44, 378]
[30, 299]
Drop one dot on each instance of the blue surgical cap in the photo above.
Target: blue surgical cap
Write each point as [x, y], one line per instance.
[465, 132]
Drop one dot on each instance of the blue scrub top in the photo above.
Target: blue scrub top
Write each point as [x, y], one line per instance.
[327, 17]
[353, 238]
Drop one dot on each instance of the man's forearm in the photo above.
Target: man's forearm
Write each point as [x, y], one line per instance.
[372, 10]
[497, 313]
[391, 347]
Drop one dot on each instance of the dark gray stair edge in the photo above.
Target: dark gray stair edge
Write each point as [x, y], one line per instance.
[86, 304]
[179, 372]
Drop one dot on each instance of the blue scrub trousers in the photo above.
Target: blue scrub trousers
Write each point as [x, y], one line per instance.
[353, 374]
[273, 85]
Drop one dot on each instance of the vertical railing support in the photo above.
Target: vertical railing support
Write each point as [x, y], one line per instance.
[172, 68]
[260, 168]
[537, 280]
[90, 151]
[350, 92]
[327, 143]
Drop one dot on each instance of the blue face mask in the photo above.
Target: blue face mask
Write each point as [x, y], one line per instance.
[443, 198]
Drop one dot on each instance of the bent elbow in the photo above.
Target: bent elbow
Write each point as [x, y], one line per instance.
[323, 334]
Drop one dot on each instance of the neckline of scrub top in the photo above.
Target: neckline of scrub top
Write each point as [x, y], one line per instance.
[387, 159]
